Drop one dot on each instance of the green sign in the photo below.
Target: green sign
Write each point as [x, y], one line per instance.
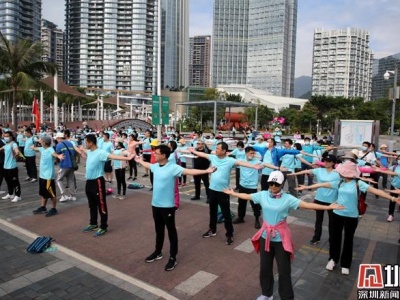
[156, 113]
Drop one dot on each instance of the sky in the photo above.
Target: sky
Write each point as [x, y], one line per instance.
[380, 17]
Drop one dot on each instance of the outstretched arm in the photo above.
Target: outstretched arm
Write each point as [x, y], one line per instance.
[238, 195]
[198, 153]
[314, 186]
[121, 157]
[140, 160]
[249, 165]
[382, 194]
[199, 172]
[307, 205]
[300, 173]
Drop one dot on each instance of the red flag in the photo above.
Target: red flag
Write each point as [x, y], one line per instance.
[35, 112]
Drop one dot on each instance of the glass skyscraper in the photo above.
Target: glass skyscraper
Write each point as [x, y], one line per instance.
[21, 19]
[254, 43]
[113, 44]
[380, 86]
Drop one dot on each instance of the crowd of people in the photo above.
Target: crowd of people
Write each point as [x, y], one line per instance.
[262, 163]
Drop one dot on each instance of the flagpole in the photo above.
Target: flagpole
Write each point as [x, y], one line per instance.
[41, 106]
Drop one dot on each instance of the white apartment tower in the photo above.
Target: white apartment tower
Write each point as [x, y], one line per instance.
[112, 45]
[342, 63]
[254, 43]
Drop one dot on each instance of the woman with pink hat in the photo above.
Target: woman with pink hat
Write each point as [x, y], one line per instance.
[347, 219]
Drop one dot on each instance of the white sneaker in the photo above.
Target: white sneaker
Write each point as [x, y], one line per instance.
[330, 265]
[33, 180]
[191, 180]
[345, 271]
[63, 198]
[390, 218]
[2, 192]
[72, 198]
[262, 297]
[16, 199]
[7, 196]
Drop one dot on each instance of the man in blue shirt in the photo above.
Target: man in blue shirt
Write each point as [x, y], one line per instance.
[66, 169]
[219, 182]
[95, 184]
[162, 203]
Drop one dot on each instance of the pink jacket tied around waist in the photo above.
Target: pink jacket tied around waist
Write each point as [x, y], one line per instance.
[284, 231]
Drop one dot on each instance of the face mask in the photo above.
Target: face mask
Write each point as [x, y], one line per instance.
[6, 139]
[363, 148]
[307, 143]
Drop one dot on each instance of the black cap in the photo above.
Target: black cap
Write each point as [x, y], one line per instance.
[329, 157]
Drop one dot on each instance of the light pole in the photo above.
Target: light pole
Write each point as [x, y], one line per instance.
[386, 76]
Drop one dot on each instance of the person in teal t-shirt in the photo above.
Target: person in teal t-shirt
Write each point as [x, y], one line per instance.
[162, 203]
[30, 155]
[220, 181]
[47, 184]
[347, 219]
[95, 184]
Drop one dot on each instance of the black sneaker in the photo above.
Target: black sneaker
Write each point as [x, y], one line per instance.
[209, 233]
[238, 221]
[171, 264]
[314, 241]
[52, 212]
[40, 210]
[229, 241]
[154, 256]
[129, 178]
[195, 198]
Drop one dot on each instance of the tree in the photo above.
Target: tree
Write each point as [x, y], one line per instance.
[265, 114]
[22, 68]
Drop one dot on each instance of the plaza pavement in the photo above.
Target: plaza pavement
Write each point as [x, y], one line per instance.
[113, 267]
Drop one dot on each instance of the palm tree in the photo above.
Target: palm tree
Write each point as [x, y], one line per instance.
[22, 67]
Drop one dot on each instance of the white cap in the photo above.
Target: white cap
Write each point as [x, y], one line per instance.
[276, 176]
[59, 135]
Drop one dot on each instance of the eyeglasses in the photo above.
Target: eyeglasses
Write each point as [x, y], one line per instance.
[274, 184]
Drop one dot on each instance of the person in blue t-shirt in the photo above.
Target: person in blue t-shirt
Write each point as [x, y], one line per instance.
[248, 184]
[220, 181]
[162, 202]
[30, 156]
[47, 185]
[274, 238]
[11, 150]
[95, 184]
[324, 196]
[347, 219]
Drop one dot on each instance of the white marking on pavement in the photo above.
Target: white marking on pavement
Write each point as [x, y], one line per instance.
[246, 246]
[196, 283]
[84, 260]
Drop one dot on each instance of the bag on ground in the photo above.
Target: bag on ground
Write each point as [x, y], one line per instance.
[135, 186]
[40, 244]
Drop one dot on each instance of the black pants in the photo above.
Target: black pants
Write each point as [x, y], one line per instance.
[132, 167]
[310, 176]
[300, 178]
[392, 205]
[96, 193]
[165, 217]
[1, 172]
[264, 182]
[197, 184]
[237, 177]
[151, 178]
[31, 168]
[120, 176]
[319, 219]
[243, 203]
[349, 225]
[277, 251]
[12, 180]
[183, 165]
[219, 198]
[384, 180]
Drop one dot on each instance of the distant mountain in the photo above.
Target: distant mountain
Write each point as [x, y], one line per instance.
[302, 86]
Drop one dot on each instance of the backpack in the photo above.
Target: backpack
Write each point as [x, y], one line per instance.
[40, 244]
[135, 186]
[220, 216]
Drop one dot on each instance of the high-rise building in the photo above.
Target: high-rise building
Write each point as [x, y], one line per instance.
[342, 63]
[254, 43]
[380, 86]
[175, 43]
[53, 45]
[113, 44]
[21, 19]
[199, 60]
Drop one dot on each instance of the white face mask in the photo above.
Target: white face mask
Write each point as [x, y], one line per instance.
[306, 143]
[363, 148]
[7, 139]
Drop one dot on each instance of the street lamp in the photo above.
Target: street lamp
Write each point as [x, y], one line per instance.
[386, 76]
